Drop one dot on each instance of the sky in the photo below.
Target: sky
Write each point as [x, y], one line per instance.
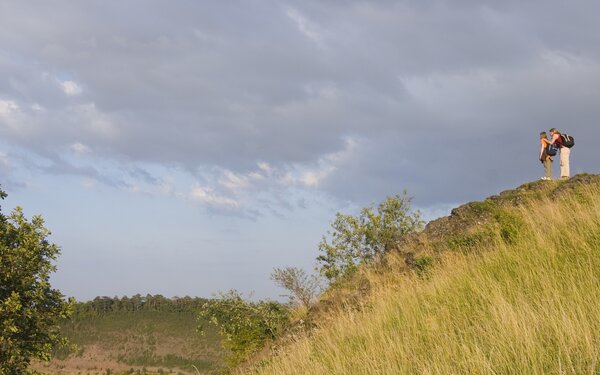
[189, 147]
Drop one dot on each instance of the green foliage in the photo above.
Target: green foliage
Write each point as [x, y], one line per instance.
[482, 207]
[511, 226]
[422, 264]
[504, 224]
[303, 287]
[103, 305]
[354, 240]
[245, 326]
[29, 307]
[469, 242]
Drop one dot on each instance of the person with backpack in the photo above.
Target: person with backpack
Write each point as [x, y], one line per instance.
[564, 142]
[545, 150]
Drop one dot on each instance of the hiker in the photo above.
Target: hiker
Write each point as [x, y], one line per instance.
[564, 143]
[545, 157]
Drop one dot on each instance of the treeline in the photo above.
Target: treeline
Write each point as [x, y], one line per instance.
[103, 305]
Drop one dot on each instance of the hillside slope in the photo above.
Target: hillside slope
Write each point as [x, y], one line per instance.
[508, 285]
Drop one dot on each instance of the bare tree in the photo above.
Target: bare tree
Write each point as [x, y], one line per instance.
[303, 287]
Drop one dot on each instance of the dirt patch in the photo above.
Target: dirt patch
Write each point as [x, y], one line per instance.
[94, 361]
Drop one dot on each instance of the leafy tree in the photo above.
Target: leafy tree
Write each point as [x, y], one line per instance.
[29, 308]
[245, 326]
[303, 287]
[360, 239]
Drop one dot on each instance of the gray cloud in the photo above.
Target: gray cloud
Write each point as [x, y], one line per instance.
[443, 98]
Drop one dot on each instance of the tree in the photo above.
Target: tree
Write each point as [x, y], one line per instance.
[245, 326]
[360, 239]
[302, 286]
[29, 308]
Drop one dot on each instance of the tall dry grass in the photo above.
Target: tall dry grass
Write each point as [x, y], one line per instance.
[529, 306]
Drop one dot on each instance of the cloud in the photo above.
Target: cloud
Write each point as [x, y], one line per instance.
[443, 98]
[80, 149]
[13, 120]
[71, 88]
[305, 26]
[7, 107]
[209, 197]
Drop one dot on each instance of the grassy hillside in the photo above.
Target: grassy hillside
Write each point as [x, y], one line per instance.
[510, 285]
[137, 342]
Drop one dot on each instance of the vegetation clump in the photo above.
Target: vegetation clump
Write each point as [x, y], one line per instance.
[245, 326]
[303, 287]
[29, 307]
[357, 240]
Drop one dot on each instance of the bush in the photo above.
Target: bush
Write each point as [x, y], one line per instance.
[245, 326]
[303, 287]
[360, 239]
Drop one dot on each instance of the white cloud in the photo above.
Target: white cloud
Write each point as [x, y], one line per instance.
[12, 118]
[71, 88]
[266, 167]
[240, 181]
[80, 149]
[267, 178]
[234, 181]
[8, 106]
[306, 26]
[208, 196]
[314, 177]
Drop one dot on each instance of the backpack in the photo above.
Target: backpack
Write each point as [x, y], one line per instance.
[551, 150]
[567, 140]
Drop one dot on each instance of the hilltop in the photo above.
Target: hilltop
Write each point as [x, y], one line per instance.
[507, 285]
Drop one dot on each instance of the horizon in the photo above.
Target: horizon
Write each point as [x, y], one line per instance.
[186, 149]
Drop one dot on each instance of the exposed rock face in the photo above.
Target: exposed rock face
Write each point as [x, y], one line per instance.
[469, 217]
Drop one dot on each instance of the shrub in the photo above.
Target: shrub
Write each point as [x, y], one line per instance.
[245, 326]
[360, 239]
[303, 287]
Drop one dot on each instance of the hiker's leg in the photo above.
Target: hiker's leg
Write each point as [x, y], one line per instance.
[548, 168]
[564, 162]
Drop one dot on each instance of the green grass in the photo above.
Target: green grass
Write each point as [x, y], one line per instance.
[522, 296]
[164, 339]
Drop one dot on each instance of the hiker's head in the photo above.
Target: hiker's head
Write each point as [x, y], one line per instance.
[543, 135]
[554, 131]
